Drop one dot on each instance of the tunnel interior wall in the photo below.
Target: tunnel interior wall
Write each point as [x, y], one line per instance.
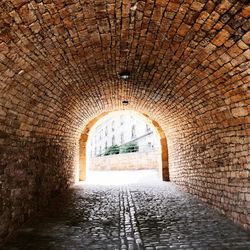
[32, 172]
[212, 162]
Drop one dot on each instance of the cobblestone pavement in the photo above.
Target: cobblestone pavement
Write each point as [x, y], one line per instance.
[129, 217]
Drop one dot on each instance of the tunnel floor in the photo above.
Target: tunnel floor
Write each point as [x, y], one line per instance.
[131, 216]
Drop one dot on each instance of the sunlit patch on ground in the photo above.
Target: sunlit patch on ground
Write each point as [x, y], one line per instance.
[122, 177]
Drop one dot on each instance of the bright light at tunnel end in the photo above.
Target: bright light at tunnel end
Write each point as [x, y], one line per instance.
[122, 177]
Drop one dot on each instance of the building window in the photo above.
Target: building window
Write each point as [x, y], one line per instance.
[113, 125]
[106, 130]
[106, 145]
[133, 132]
[147, 128]
[122, 138]
[113, 140]
[100, 150]
[121, 120]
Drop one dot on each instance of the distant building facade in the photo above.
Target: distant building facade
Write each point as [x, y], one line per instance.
[122, 128]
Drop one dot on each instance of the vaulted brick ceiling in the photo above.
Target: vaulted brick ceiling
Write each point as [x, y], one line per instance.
[189, 70]
[63, 57]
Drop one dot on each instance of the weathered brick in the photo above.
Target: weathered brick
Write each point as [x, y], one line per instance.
[223, 6]
[240, 111]
[18, 3]
[35, 27]
[197, 6]
[246, 38]
[184, 28]
[246, 11]
[16, 17]
[26, 14]
[221, 37]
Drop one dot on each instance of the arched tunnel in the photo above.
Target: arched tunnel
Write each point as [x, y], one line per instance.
[188, 69]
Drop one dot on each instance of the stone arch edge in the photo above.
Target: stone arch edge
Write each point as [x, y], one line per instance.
[84, 138]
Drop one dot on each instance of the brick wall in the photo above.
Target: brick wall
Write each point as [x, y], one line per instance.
[31, 173]
[130, 161]
[214, 166]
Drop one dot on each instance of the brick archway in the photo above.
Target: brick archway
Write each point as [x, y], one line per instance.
[164, 169]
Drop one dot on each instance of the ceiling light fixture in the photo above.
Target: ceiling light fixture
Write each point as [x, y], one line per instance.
[124, 75]
[125, 103]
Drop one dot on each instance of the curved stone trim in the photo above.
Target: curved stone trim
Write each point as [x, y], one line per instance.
[164, 170]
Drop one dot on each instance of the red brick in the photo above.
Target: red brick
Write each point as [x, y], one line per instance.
[240, 111]
[221, 37]
[223, 6]
[184, 28]
[246, 11]
[246, 38]
[18, 3]
[26, 14]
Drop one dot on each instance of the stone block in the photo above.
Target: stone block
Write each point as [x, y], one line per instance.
[221, 37]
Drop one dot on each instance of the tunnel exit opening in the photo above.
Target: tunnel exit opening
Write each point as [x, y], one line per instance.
[95, 150]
